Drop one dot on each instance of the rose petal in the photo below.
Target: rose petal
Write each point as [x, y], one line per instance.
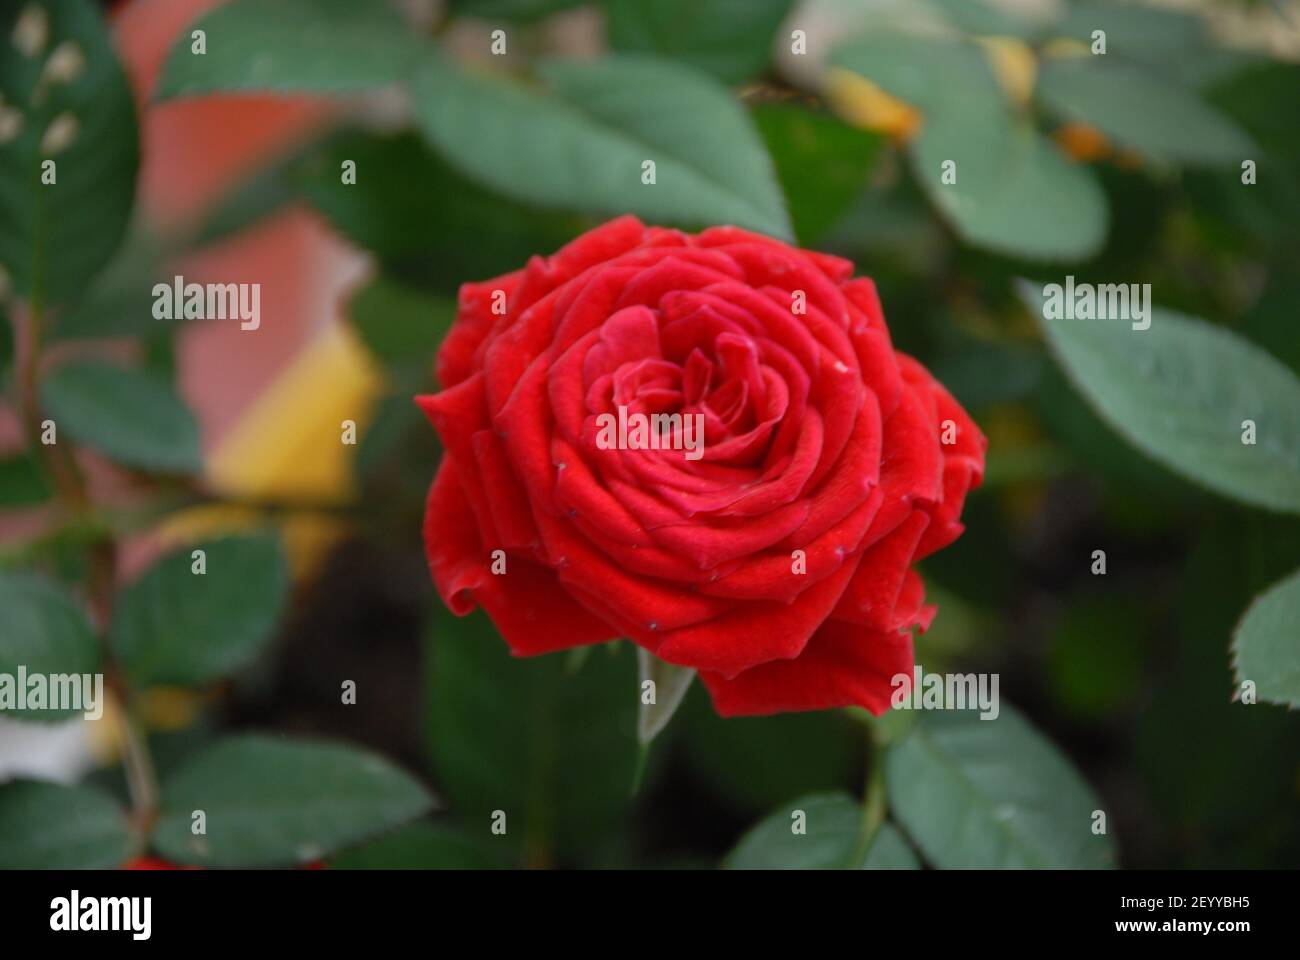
[843, 666]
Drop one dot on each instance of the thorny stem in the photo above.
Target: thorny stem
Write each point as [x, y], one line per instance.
[74, 499]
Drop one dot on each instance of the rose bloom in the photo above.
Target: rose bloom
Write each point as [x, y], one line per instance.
[779, 563]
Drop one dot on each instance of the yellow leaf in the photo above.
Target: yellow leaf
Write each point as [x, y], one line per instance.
[289, 446]
[1013, 64]
[860, 102]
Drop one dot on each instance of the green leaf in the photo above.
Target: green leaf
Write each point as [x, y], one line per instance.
[130, 416]
[48, 826]
[889, 851]
[985, 19]
[413, 211]
[670, 685]
[55, 236]
[292, 46]
[992, 794]
[582, 146]
[830, 838]
[175, 626]
[1266, 645]
[270, 802]
[44, 632]
[823, 164]
[119, 303]
[1134, 30]
[1180, 392]
[397, 204]
[1141, 110]
[931, 74]
[730, 39]
[1138, 489]
[1014, 192]
[407, 206]
[555, 750]
[402, 327]
[262, 193]
[830, 826]
[420, 846]
[22, 482]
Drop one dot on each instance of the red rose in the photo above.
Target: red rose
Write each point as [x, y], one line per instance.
[818, 437]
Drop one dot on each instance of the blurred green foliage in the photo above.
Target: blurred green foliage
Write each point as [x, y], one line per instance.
[469, 171]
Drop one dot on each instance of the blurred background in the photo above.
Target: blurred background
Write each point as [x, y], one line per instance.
[1129, 673]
